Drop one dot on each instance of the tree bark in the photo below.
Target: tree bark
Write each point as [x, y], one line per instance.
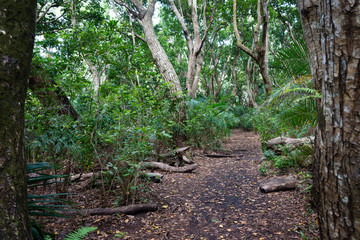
[195, 46]
[260, 49]
[337, 144]
[161, 60]
[249, 73]
[168, 168]
[17, 31]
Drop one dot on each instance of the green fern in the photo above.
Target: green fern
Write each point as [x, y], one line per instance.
[80, 233]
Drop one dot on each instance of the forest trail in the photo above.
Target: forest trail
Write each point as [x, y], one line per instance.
[219, 200]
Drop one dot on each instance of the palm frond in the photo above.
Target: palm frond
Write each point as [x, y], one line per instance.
[293, 59]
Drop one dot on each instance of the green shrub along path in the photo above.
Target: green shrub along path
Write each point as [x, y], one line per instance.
[219, 200]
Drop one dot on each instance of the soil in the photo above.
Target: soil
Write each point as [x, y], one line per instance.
[219, 200]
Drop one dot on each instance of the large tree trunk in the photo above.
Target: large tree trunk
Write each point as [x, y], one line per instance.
[159, 55]
[161, 60]
[337, 144]
[17, 31]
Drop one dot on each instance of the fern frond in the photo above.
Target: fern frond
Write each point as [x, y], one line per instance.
[80, 233]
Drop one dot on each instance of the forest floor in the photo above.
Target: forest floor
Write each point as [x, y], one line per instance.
[218, 200]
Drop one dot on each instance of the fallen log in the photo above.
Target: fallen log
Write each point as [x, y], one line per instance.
[131, 209]
[81, 176]
[187, 160]
[290, 141]
[278, 184]
[178, 151]
[221, 156]
[168, 168]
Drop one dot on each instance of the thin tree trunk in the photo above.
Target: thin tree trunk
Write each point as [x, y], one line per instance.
[260, 50]
[17, 30]
[335, 63]
[249, 74]
[195, 46]
[233, 73]
[195, 84]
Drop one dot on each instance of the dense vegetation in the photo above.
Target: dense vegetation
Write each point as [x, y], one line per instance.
[125, 112]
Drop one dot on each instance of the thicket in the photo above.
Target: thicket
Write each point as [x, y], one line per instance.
[290, 111]
[128, 115]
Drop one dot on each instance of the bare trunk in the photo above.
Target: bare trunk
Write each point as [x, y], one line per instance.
[161, 60]
[249, 74]
[260, 49]
[337, 144]
[195, 46]
[233, 73]
[98, 79]
[17, 30]
[195, 84]
[160, 57]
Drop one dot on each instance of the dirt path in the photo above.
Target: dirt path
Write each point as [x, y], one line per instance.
[219, 200]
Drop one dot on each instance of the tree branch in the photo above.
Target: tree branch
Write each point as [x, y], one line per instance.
[238, 38]
[207, 27]
[135, 14]
[45, 12]
[182, 24]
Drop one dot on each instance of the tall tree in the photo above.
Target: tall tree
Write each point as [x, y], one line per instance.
[332, 31]
[195, 42]
[260, 49]
[17, 30]
[144, 16]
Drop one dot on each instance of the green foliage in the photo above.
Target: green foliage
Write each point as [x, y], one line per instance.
[208, 122]
[46, 205]
[294, 59]
[81, 233]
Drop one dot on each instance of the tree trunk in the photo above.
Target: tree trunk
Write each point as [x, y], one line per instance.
[160, 57]
[337, 144]
[161, 60]
[17, 31]
[260, 50]
[195, 46]
[250, 72]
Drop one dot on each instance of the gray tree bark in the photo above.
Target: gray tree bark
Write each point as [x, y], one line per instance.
[161, 60]
[17, 31]
[332, 31]
[195, 42]
[260, 49]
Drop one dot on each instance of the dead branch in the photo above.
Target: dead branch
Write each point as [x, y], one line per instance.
[131, 209]
[168, 168]
[289, 141]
